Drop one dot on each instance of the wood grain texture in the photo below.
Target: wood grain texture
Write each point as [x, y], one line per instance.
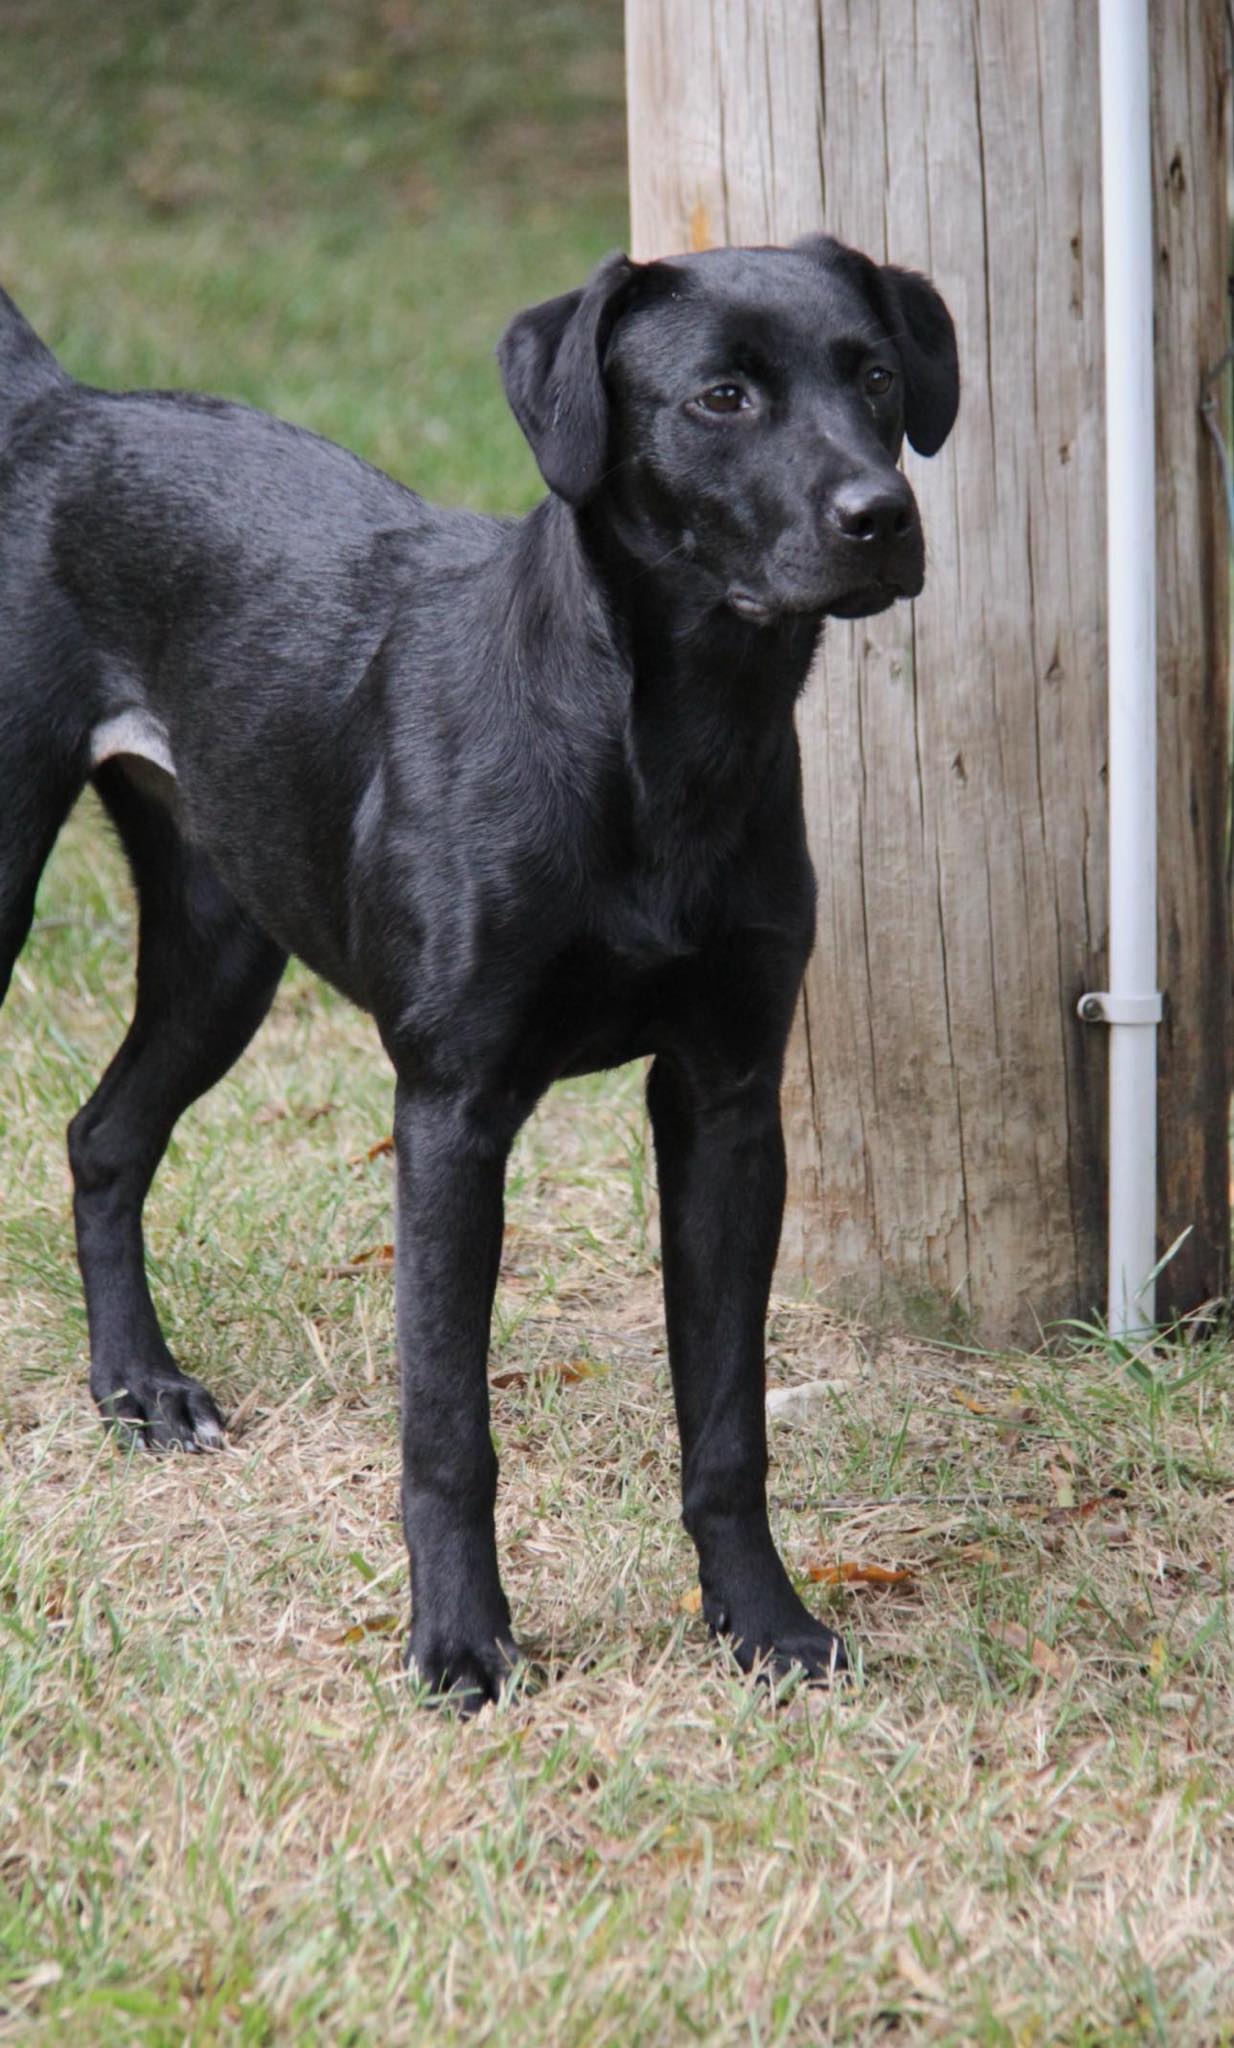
[1190, 152]
[944, 1108]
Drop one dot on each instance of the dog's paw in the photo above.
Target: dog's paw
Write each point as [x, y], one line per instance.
[775, 1652]
[162, 1408]
[464, 1670]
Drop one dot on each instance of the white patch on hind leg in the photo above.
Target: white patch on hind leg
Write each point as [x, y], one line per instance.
[135, 733]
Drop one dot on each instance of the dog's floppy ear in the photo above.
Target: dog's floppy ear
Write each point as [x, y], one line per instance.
[551, 360]
[922, 329]
[925, 335]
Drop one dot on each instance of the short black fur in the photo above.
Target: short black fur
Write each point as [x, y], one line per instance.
[529, 792]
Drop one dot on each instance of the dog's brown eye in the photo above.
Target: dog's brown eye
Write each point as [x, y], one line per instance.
[723, 398]
[879, 379]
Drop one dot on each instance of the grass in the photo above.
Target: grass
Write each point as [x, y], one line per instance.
[223, 1817]
[327, 211]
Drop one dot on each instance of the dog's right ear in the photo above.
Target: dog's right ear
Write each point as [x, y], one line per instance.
[551, 360]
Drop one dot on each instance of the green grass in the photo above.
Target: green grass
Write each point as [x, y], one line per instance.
[327, 211]
[223, 1817]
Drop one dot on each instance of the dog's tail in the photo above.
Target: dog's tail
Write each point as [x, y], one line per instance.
[27, 366]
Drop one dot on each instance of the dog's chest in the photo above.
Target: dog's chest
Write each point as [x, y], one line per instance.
[651, 919]
[615, 990]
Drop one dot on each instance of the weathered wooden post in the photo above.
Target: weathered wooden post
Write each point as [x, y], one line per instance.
[944, 1106]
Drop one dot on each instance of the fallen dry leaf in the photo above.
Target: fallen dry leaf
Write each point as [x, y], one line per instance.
[362, 1262]
[274, 1112]
[1042, 1655]
[377, 1151]
[850, 1573]
[691, 1602]
[1080, 1512]
[1008, 1414]
[372, 1625]
[973, 1405]
[571, 1370]
[1036, 1510]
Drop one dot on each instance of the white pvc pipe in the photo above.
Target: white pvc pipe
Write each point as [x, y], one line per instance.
[1127, 217]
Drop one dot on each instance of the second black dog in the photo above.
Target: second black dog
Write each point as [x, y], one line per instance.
[528, 792]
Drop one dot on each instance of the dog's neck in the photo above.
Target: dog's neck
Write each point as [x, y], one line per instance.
[698, 701]
[710, 695]
[679, 632]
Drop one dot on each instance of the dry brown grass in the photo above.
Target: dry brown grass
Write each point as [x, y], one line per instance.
[222, 1816]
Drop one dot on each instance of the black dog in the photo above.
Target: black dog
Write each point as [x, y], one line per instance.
[529, 792]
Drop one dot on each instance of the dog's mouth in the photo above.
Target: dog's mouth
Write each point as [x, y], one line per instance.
[759, 611]
[862, 602]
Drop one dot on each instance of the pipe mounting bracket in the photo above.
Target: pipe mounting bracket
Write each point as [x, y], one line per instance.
[1100, 1007]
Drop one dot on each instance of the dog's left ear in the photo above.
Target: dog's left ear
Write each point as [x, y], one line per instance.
[925, 334]
[922, 330]
[551, 360]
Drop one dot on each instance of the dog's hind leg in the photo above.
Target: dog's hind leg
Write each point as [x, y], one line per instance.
[35, 800]
[205, 979]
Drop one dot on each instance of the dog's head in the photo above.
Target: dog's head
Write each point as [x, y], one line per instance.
[739, 414]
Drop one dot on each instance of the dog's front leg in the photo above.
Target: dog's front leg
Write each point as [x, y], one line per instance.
[451, 1169]
[720, 1157]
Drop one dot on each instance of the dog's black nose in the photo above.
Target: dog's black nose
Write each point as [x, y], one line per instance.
[873, 509]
